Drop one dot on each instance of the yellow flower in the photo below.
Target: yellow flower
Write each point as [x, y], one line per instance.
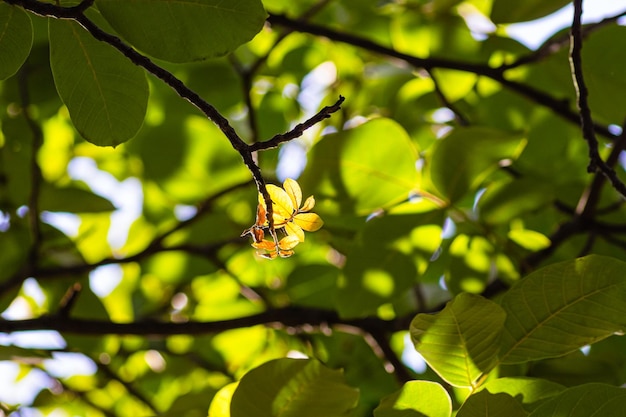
[288, 216]
[284, 249]
[287, 210]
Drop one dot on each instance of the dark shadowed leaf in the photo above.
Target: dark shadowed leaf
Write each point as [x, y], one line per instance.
[16, 39]
[464, 158]
[485, 403]
[511, 11]
[585, 400]
[293, 388]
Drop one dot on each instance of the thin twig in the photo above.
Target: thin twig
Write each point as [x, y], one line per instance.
[299, 129]
[460, 118]
[588, 202]
[555, 44]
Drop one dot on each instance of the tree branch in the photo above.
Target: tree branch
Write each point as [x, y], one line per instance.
[289, 316]
[586, 121]
[560, 107]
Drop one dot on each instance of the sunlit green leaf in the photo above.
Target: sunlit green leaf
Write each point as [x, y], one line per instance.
[184, 31]
[416, 399]
[530, 392]
[563, 307]
[293, 387]
[16, 39]
[529, 239]
[460, 343]
[105, 93]
[220, 405]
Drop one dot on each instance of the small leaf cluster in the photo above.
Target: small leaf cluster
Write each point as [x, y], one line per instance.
[288, 215]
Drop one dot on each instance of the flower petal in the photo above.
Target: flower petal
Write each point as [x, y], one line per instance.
[288, 242]
[285, 253]
[265, 244]
[308, 221]
[282, 204]
[308, 204]
[292, 188]
[269, 255]
[293, 229]
[261, 215]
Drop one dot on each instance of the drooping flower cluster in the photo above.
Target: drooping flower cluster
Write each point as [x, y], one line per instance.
[289, 217]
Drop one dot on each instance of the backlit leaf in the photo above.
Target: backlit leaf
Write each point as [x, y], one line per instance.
[281, 203]
[563, 307]
[460, 343]
[308, 221]
[531, 392]
[292, 188]
[184, 31]
[416, 399]
[104, 92]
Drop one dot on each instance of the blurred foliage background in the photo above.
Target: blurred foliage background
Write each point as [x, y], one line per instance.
[456, 164]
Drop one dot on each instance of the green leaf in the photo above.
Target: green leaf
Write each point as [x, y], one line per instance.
[312, 285]
[15, 244]
[104, 92]
[373, 277]
[416, 399]
[511, 11]
[511, 198]
[16, 39]
[293, 387]
[605, 73]
[485, 403]
[462, 160]
[585, 400]
[364, 168]
[184, 31]
[460, 343]
[529, 239]
[529, 391]
[72, 200]
[563, 307]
